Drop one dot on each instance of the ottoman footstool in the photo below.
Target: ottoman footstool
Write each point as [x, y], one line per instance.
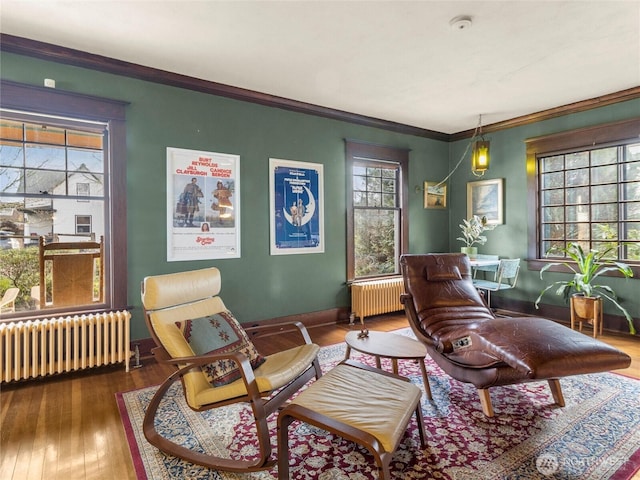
[360, 403]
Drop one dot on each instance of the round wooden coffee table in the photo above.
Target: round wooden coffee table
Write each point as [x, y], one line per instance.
[389, 345]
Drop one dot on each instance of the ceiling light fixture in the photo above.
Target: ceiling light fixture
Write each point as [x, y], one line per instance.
[461, 22]
[480, 159]
[480, 153]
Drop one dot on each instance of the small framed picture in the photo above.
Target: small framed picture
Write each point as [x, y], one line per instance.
[435, 195]
[484, 198]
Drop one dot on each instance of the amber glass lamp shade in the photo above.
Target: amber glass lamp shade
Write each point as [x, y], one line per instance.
[480, 156]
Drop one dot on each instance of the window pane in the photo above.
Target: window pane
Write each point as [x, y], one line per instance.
[577, 160]
[11, 181]
[44, 134]
[550, 246]
[45, 182]
[95, 183]
[374, 200]
[388, 200]
[604, 193]
[608, 174]
[359, 199]
[374, 184]
[11, 130]
[607, 212]
[578, 195]
[359, 183]
[604, 156]
[553, 197]
[552, 164]
[88, 160]
[553, 180]
[84, 139]
[631, 211]
[632, 252]
[389, 186]
[552, 231]
[577, 177]
[41, 156]
[631, 191]
[609, 247]
[633, 151]
[577, 213]
[632, 231]
[631, 170]
[577, 231]
[553, 214]
[11, 154]
[605, 231]
[376, 242]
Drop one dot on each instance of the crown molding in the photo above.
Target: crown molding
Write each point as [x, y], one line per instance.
[78, 58]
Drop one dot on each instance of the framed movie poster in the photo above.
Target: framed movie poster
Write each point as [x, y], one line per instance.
[203, 205]
[484, 198]
[296, 202]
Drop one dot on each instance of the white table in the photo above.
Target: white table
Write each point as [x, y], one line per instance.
[484, 262]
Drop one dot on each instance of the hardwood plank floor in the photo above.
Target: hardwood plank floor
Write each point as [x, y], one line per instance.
[68, 426]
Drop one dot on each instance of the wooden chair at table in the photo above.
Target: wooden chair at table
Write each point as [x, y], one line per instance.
[187, 319]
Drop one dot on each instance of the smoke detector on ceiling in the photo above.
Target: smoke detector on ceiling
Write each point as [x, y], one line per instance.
[462, 22]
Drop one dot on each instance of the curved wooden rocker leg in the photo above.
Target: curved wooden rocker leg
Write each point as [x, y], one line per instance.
[263, 462]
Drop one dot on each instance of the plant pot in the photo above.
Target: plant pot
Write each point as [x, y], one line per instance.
[587, 309]
[472, 252]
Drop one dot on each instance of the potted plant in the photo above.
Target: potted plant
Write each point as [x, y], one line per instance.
[472, 230]
[588, 267]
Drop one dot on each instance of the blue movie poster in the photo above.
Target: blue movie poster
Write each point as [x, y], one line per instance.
[296, 190]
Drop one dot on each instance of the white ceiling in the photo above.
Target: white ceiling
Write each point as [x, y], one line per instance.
[399, 61]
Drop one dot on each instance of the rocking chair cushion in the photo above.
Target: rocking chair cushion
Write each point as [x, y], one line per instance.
[216, 334]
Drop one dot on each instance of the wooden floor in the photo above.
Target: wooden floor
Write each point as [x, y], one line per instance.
[68, 427]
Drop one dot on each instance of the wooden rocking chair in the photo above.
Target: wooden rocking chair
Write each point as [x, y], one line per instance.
[187, 319]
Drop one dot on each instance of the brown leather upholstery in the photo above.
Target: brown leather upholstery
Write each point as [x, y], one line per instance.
[472, 345]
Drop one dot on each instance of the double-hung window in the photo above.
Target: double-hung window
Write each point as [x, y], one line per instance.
[377, 209]
[587, 188]
[62, 179]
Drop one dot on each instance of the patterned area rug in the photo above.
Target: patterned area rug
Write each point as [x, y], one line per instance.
[595, 436]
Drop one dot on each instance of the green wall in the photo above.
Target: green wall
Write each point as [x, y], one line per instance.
[256, 286]
[259, 286]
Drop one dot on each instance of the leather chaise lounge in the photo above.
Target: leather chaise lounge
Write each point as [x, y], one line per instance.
[472, 345]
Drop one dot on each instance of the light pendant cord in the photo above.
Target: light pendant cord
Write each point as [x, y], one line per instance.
[464, 154]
